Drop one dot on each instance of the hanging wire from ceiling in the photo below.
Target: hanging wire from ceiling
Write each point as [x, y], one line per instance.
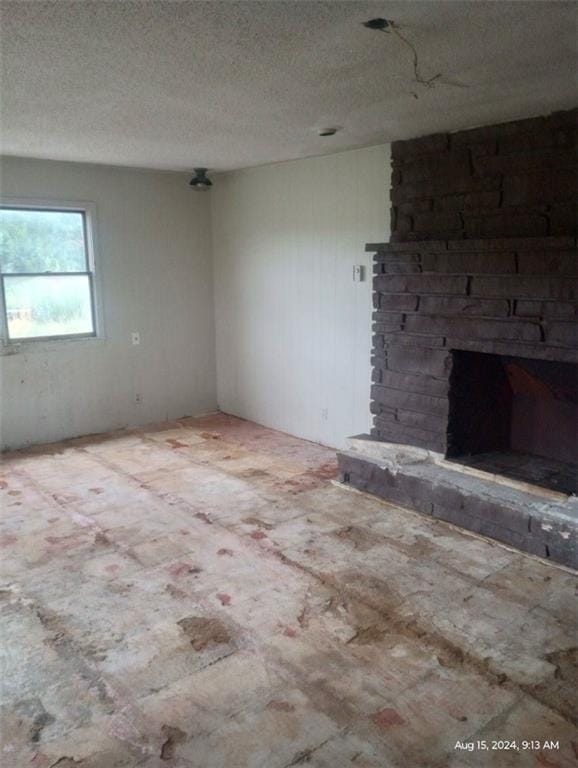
[426, 82]
[387, 26]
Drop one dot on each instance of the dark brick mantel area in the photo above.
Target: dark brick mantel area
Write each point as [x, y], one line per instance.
[475, 340]
[482, 257]
[508, 296]
[517, 179]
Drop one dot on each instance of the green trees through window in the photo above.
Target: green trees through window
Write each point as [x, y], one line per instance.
[42, 241]
[46, 275]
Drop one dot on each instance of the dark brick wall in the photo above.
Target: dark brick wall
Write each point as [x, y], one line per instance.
[506, 296]
[483, 257]
[517, 179]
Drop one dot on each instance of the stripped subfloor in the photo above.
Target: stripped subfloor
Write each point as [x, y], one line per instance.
[201, 594]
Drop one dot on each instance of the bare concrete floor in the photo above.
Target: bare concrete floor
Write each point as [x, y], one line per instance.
[199, 594]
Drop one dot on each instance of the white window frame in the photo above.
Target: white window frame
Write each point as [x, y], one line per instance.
[88, 210]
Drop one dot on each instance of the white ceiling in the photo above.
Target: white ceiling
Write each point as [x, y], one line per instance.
[234, 84]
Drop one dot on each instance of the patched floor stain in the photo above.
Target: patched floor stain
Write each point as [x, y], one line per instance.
[204, 632]
[174, 737]
[199, 594]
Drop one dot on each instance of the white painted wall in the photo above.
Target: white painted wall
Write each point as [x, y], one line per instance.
[293, 329]
[154, 265]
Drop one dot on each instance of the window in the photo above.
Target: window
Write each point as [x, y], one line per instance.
[47, 273]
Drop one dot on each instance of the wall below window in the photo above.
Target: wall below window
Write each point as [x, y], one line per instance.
[293, 328]
[154, 265]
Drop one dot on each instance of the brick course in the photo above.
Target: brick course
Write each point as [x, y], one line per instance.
[513, 296]
[514, 179]
[483, 257]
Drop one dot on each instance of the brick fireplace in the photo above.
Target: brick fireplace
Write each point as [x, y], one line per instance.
[474, 394]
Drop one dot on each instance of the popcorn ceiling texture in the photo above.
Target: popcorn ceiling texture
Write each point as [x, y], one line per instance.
[235, 84]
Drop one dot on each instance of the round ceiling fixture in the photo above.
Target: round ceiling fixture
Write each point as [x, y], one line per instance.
[381, 25]
[200, 180]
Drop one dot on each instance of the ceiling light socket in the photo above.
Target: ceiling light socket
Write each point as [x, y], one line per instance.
[200, 180]
[381, 25]
[327, 131]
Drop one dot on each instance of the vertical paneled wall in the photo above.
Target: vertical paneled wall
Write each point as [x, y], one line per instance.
[293, 328]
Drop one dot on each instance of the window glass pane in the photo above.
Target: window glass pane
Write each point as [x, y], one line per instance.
[48, 306]
[42, 241]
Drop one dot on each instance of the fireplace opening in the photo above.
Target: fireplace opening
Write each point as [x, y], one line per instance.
[515, 417]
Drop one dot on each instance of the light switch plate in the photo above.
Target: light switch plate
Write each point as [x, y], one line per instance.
[358, 273]
[135, 336]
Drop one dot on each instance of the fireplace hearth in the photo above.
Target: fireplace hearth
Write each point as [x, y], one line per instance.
[475, 346]
[474, 394]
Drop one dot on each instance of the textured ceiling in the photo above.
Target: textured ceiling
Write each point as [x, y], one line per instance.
[234, 84]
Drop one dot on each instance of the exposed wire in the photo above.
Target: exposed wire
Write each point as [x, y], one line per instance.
[427, 83]
[387, 26]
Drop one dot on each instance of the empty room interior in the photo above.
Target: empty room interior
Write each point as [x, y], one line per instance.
[288, 384]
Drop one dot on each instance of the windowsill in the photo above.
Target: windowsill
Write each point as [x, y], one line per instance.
[7, 349]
